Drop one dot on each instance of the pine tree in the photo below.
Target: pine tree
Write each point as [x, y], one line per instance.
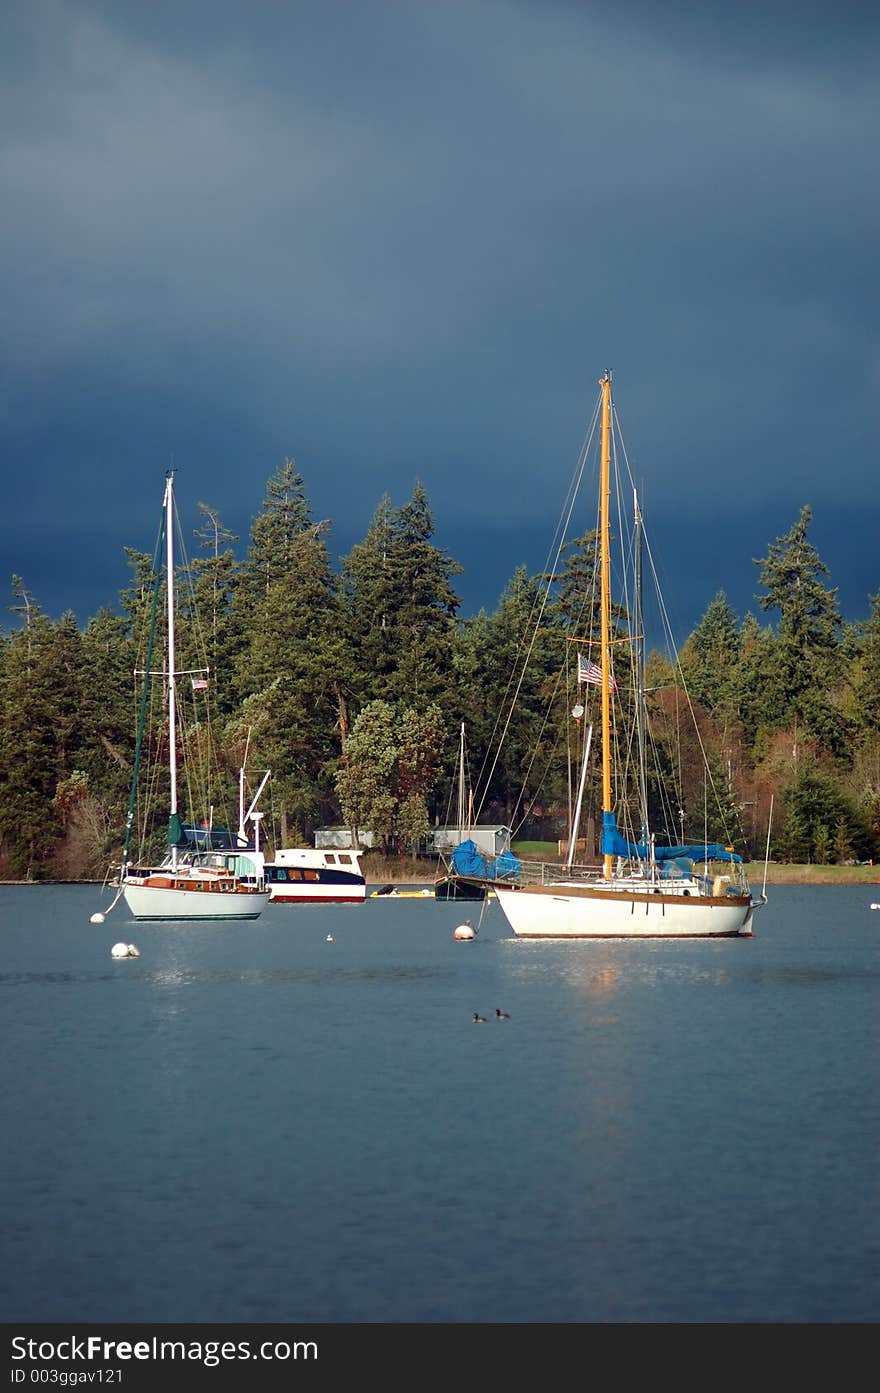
[806, 651]
[210, 587]
[710, 656]
[291, 669]
[401, 607]
[39, 733]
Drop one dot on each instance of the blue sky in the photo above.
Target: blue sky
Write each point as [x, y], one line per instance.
[402, 241]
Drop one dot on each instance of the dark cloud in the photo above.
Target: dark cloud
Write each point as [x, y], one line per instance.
[402, 242]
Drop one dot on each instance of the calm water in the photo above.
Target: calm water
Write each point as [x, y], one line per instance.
[250, 1123]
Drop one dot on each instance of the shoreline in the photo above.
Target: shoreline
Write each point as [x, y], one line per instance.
[777, 874]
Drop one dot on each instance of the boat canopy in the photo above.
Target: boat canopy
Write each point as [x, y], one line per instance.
[199, 838]
[468, 861]
[615, 844]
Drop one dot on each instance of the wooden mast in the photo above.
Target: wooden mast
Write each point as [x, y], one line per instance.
[605, 603]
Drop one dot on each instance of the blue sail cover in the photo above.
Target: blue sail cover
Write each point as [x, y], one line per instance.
[614, 843]
[468, 861]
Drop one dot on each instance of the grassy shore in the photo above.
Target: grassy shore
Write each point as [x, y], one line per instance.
[411, 870]
[401, 870]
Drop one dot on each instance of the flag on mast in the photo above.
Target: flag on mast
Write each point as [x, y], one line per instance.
[591, 672]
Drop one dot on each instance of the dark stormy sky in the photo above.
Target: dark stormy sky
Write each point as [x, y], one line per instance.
[401, 241]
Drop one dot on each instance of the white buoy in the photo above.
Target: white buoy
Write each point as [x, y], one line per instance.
[875, 906]
[329, 938]
[464, 931]
[119, 950]
[97, 919]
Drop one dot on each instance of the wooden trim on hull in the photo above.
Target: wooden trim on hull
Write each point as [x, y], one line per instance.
[564, 912]
[633, 897]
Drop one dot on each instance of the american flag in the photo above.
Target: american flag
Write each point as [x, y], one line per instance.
[591, 672]
[200, 684]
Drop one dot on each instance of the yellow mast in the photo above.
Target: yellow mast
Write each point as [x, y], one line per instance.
[605, 601]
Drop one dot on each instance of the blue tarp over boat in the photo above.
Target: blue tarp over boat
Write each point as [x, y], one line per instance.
[468, 861]
[615, 844]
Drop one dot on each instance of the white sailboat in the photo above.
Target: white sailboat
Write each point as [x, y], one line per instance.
[204, 875]
[643, 890]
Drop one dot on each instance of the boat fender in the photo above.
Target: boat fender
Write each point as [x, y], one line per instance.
[465, 932]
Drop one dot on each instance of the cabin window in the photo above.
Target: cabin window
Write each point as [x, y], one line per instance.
[330, 858]
[344, 859]
[310, 875]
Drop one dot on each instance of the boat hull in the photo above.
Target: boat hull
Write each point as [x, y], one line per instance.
[317, 894]
[559, 911]
[308, 885]
[312, 875]
[455, 888]
[161, 902]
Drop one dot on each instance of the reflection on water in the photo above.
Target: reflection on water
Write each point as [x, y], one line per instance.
[256, 1124]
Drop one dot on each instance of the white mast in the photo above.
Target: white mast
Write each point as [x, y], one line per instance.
[461, 787]
[605, 607]
[172, 728]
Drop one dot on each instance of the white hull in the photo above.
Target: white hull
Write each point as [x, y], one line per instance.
[566, 911]
[158, 902]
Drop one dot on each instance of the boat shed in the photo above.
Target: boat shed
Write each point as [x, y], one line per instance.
[339, 838]
[491, 841]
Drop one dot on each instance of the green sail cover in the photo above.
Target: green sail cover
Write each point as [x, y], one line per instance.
[176, 834]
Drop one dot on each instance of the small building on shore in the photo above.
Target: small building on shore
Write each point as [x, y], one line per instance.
[339, 839]
[490, 840]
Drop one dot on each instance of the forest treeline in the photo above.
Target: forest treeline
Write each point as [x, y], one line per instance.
[350, 681]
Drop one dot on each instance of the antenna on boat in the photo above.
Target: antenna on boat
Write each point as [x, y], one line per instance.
[767, 852]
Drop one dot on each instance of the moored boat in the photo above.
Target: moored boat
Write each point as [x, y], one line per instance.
[643, 889]
[202, 875]
[310, 875]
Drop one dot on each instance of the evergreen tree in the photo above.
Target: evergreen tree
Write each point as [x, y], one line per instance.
[368, 586]
[754, 685]
[867, 671]
[815, 804]
[710, 656]
[401, 606]
[292, 665]
[808, 639]
[210, 587]
[39, 733]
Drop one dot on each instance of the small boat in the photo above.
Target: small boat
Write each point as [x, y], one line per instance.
[310, 875]
[391, 892]
[643, 889]
[451, 884]
[204, 875]
[467, 875]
